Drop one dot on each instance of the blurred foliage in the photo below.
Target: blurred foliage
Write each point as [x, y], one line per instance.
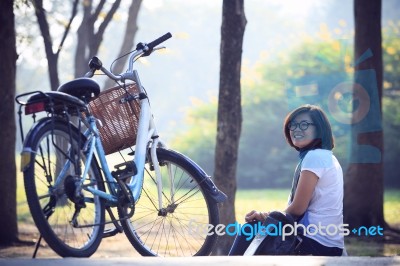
[391, 58]
[270, 90]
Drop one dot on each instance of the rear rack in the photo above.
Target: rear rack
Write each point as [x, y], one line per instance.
[55, 103]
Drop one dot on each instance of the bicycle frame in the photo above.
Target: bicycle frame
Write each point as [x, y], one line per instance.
[147, 134]
[147, 137]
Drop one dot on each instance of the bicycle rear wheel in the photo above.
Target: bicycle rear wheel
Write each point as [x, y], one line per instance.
[180, 227]
[50, 185]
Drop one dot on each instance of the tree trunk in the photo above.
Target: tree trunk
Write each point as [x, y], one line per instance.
[8, 205]
[95, 41]
[81, 53]
[363, 202]
[127, 43]
[229, 112]
[89, 40]
[52, 57]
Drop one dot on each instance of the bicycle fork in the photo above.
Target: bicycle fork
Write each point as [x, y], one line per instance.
[156, 164]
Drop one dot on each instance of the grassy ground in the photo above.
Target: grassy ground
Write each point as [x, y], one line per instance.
[246, 200]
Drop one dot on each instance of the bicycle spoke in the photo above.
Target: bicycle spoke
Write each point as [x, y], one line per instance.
[155, 183]
[187, 194]
[52, 209]
[167, 232]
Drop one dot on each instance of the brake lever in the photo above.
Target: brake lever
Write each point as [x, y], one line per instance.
[159, 48]
[149, 52]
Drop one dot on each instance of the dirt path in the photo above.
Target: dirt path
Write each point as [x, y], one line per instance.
[116, 246]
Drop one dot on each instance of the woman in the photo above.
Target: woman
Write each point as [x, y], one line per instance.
[317, 190]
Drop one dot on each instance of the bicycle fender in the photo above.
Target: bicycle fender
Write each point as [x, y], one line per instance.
[26, 158]
[207, 184]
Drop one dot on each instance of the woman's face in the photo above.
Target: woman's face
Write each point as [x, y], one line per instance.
[302, 130]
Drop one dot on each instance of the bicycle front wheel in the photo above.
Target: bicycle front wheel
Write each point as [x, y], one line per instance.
[71, 222]
[180, 227]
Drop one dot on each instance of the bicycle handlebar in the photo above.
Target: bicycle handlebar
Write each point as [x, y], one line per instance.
[159, 40]
[142, 49]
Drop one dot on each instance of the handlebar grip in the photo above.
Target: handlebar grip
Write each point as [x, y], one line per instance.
[156, 42]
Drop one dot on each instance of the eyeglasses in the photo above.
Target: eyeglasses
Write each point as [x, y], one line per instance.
[303, 125]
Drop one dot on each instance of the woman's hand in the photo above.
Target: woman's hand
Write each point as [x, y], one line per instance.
[256, 216]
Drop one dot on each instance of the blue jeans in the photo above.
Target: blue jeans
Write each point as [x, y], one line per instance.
[307, 246]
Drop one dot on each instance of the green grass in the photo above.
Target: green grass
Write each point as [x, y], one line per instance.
[262, 199]
[24, 215]
[246, 200]
[391, 207]
[276, 199]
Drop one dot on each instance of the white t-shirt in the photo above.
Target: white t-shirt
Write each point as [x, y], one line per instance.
[326, 206]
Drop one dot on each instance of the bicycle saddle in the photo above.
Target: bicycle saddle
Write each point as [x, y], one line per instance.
[82, 88]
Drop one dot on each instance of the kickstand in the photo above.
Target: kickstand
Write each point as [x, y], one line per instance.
[37, 247]
[118, 228]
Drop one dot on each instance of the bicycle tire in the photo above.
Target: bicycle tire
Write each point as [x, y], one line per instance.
[155, 234]
[43, 196]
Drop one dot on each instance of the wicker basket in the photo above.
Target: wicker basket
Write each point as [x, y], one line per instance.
[119, 120]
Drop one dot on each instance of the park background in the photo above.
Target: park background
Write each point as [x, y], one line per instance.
[284, 42]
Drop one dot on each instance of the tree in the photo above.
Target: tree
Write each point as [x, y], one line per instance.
[229, 118]
[90, 36]
[95, 21]
[129, 36]
[8, 206]
[363, 201]
[52, 57]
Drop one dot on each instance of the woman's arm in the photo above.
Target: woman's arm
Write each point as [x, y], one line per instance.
[305, 188]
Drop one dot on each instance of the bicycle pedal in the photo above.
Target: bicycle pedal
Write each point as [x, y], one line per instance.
[124, 170]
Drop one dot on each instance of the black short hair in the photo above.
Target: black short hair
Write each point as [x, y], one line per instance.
[324, 131]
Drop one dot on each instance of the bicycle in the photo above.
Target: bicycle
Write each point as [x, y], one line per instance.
[69, 185]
